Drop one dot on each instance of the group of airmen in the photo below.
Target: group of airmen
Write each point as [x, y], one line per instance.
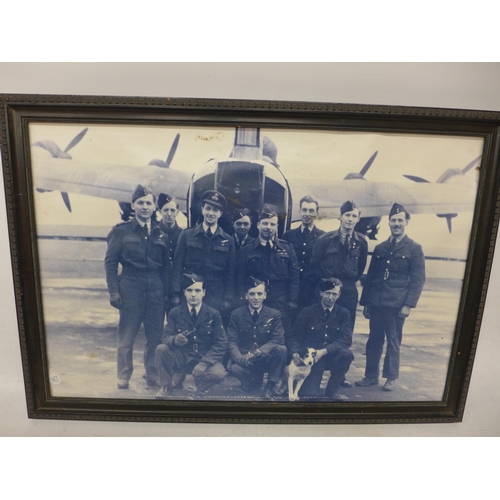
[246, 306]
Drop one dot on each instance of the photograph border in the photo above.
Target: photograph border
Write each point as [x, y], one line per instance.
[18, 111]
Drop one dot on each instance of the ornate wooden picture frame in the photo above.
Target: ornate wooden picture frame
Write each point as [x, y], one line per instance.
[393, 169]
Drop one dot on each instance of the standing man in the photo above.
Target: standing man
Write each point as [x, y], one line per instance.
[206, 250]
[194, 342]
[326, 327]
[139, 291]
[303, 240]
[393, 286]
[342, 254]
[274, 262]
[242, 222]
[169, 234]
[256, 341]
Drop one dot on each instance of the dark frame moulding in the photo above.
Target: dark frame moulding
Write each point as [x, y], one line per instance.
[17, 111]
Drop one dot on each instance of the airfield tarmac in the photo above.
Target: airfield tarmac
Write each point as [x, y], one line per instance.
[81, 340]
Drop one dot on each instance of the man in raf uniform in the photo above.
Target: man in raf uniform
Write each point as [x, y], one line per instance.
[256, 341]
[273, 261]
[303, 240]
[139, 291]
[169, 234]
[208, 251]
[194, 342]
[326, 327]
[242, 222]
[342, 254]
[393, 286]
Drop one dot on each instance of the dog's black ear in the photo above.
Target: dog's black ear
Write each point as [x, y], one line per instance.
[303, 352]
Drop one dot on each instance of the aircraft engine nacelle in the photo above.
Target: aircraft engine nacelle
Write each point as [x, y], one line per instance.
[248, 184]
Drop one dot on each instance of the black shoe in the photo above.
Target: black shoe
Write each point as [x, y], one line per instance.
[389, 385]
[366, 382]
[122, 384]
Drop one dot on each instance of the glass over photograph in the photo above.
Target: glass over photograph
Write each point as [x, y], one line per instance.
[188, 263]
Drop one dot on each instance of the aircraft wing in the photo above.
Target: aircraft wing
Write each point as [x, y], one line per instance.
[375, 199]
[115, 182]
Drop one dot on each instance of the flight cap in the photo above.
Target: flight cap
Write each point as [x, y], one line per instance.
[214, 198]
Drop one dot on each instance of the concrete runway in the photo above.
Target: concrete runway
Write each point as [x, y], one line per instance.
[81, 343]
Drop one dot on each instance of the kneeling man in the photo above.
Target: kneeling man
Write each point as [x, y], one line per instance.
[256, 341]
[326, 327]
[194, 341]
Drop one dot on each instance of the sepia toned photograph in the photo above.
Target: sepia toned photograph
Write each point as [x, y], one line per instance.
[249, 264]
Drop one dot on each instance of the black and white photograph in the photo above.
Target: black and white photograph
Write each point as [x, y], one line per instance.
[251, 263]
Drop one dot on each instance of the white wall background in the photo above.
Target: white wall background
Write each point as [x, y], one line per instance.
[454, 85]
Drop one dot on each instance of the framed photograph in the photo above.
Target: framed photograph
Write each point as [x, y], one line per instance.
[186, 260]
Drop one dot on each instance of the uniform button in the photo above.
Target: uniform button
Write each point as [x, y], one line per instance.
[388, 262]
[303, 253]
[304, 244]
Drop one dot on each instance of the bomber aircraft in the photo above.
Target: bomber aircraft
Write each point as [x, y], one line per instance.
[251, 177]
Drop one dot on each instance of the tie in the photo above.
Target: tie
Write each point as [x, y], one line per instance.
[392, 245]
[346, 243]
[255, 315]
[327, 314]
[209, 233]
[306, 232]
[193, 314]
[268, 245]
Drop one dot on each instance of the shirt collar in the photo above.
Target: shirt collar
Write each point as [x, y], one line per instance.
[252, 310]
[310, 228]
[212, 229]
[196, 308]
[142, 224]
[264, 243]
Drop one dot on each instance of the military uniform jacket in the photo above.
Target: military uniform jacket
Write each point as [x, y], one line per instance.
[243, 334]
[312, 329]
[137, 252]
[303, 246]
[246, 242]
[395, 279]
[169, 237]
[208, 342]
[279, 269]
[213, 258]
[330, 259]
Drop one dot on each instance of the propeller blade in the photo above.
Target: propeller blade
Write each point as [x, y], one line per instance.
[173, 149]
[54, 150]
[368, 164]
[448, 218]
[470, 165]
[415, 178]
[448, 221]
[76, 140]
[65, 198]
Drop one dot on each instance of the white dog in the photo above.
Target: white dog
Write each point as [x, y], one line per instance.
[295, 375]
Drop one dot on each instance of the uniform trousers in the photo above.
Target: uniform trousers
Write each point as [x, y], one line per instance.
[384, 323]
[251, 376]
[214, 293]
[172, 361]
[338, 363]
[349, 299]
[142, 303]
